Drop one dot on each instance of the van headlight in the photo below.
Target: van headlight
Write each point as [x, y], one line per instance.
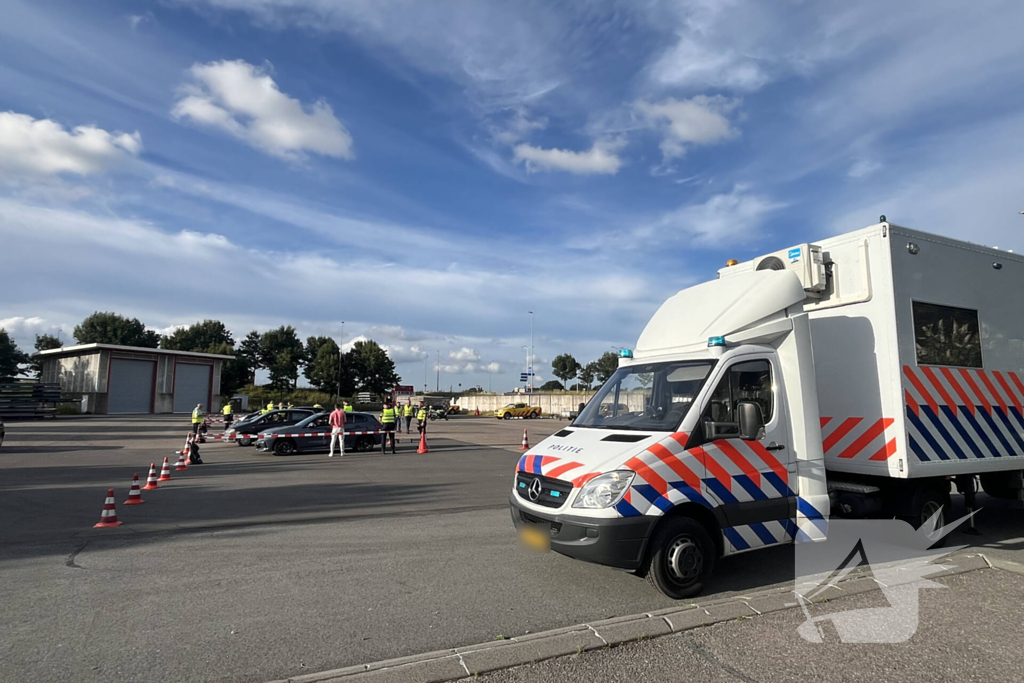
[604, 491]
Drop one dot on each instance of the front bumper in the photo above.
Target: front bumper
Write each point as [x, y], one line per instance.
[616, 542]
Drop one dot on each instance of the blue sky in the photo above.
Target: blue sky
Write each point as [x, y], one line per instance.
[428, 172]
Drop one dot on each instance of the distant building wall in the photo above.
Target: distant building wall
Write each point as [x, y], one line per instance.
[550, 404]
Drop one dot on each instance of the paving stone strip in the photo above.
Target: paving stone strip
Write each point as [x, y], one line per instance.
[460, 662]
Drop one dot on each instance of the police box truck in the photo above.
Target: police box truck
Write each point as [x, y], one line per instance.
[866, 375]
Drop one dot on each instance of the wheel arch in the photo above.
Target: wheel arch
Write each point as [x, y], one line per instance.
[696, 512]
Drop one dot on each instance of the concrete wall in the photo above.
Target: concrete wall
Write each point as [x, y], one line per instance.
[82, 373]
[550, 404]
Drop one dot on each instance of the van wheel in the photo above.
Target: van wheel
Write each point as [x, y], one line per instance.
[931, 501]
[682, 558]
[997, 485]
[364, 443]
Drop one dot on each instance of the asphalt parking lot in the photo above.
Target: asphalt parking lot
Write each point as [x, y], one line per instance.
[255, 567]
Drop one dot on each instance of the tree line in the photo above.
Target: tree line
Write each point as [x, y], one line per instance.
[566, 368]
[364, 367]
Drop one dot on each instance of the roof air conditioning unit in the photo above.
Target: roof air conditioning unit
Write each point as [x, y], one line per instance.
[804, 259]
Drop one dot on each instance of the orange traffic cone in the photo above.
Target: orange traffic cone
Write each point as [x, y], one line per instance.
[188, 440]
[108, 517]
[135, 495]
[181, 466]
[165, 471]
[526, 442]
[151, 480]
[477, 412]
[423, 442]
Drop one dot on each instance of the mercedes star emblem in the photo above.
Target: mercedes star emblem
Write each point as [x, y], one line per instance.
[534, 490]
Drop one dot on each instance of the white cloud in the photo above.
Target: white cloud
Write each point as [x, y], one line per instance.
[502, 53]
[24, 330]
[43, 146]
[700, 120]
[464, 354]
[470, 368]
[515, 126]
[400, 353]
[724, 219]
[244, 101]
[397, 332]
[135, 20]
[144, 263]
[863, 168]
[600, 159]
[695, 63]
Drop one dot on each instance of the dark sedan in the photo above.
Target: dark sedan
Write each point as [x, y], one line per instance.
[318, 424]
[244, 433]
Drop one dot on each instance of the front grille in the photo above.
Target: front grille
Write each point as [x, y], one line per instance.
[553, 492]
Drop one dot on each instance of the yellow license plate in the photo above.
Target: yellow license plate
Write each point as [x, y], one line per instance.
[535, 538]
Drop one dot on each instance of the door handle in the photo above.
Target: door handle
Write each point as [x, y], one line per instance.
[774, 447]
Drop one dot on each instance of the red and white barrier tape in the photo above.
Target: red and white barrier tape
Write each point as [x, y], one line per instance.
[300, 435]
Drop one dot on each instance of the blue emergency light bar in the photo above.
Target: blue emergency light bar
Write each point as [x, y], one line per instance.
[716, 341]
[625, 353]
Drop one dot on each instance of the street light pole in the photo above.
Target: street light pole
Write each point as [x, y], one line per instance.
[341, 353]
[437, 385]
[529, 359]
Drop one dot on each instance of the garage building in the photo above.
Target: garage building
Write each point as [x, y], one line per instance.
[125, 380]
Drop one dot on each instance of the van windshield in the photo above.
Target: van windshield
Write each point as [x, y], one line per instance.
[646, 396]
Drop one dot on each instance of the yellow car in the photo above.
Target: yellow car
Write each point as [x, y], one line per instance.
[517, 410]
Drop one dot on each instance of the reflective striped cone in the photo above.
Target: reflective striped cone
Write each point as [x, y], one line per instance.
[188, 440]
[526, 442]
[181, 466]
[108, 517]
[151, 479]
[165, 471]
[423, 443]
[135, 495]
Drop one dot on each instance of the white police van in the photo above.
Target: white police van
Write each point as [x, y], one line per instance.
[860, 376]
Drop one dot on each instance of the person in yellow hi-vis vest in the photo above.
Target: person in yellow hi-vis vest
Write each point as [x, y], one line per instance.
[407, 412]
[197, 418]
[388, 417]
[347, 408]
[229, 413]
[421, 417]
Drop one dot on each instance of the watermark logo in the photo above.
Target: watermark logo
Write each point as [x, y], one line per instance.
[888, 551]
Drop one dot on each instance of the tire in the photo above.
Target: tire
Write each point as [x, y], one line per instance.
[997, 485]
[284, 447]
[682, 558]
[364, 443]
[245, 441]
[931, 501]
[534, 415]
[506, 416]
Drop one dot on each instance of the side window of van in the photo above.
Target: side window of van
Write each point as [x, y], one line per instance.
[747, 381]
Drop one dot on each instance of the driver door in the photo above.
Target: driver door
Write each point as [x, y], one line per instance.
[750, 479]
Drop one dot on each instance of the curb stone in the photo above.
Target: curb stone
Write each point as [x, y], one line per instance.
[463, 662]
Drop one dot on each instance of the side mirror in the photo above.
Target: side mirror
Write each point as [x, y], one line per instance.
[751, 421]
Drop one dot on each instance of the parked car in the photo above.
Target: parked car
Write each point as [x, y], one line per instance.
[319, 424]
[517, 410]
[244, 433]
